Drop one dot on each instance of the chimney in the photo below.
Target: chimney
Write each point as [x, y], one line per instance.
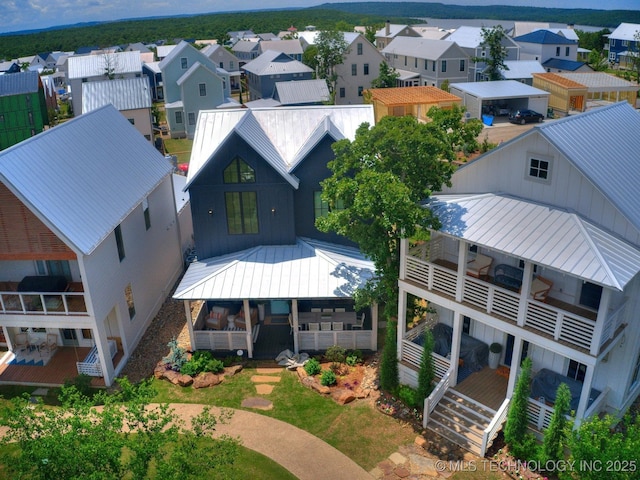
[387, 28]
[570, 25]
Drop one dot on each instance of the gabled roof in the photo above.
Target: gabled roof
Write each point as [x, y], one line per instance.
[561, 64]
[420, 47]
[302, 91]
[279, 135]
[518, 69]
[211, 50]
[412, 95]
[308, 269]
[290, 47]
[96, 65]
[625, 31]
[499, 89]
[19, 83]
[85, 176]
[394, 29]
[153, 66]
[175, 52]
[274, 63]
[544, 37]
[568, 33]
[124, 94]
[471, 37]
[547, 236]
[191, 70]
[245, 46]
[163, 50]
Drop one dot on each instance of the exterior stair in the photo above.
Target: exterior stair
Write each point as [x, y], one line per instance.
[461, 420]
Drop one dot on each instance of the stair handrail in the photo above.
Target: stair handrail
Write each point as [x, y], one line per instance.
[436, 395]
[495, 425]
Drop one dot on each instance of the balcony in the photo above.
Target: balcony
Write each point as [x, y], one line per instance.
[70, 302]
[555, 319]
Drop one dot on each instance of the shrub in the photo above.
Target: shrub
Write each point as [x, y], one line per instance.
[555, 436]
[351, 360]
[202, 361]
[177, 356]
[82, 383]
[312, 367]
[410, 396]
[327, 378]
[335, 354]
[354, 356]
[427, 372]
[389, 361]
[522, 444]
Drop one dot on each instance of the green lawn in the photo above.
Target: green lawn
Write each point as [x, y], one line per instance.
[180, 147]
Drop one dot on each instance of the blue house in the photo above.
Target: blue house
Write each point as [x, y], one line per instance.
[271, 67]
[152, 71]
[624, 43]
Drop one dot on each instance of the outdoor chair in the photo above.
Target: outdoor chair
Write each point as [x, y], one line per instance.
[479, 266]
[314, 327]
[337, 326]
[325, 326]
[22, 342]
[316, 310]
[339, 310]
[290, 317]
[327, 310]
[359, 323]
[50, 344]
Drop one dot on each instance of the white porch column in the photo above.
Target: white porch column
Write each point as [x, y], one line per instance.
[247, 321]
[525, 290]
[515, 365]
[402, 320]
[374, 326]
[187, 314]
[455, 347]
[102, 344]
[603, 312]
[462, 268]
[404, 249]
[584, 395]
[294, 322]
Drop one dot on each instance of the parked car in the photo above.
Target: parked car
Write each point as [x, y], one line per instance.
[526, 116]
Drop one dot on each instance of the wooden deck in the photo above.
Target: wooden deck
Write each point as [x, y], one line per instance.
[485, 387]
[60, 368]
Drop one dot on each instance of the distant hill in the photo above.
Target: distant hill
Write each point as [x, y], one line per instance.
[579, 16]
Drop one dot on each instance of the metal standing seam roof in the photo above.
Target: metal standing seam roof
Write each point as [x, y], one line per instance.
[542, 234]
[272, 62]
[521, 69]
[309, 269]
[290, 47]
[124, 94]
[19, 83]
[561, 64]
[544, 37]
[412, 95]
[83, 177]
[625, 31]
[164, 50]
[278, 134]
[153, 66]
[394, 29]
[466, 36]
[499, 89]
[597, 80]
[302, 91]
[245, 46]
[80, 66]
[420, 47]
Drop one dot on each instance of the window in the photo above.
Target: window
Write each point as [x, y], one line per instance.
[132, 121]
[557, 51]
[566, 51]
[415, 62]
[366, 69]
[203, 89]
[426, 64]
[360, 89]
[590, 295]
[462, 65]
[145, 211]
[119, 242]
[433, 66]
[128, 295]
[238, 171]
[54, 267]
[320, 207]
[184, 63]
[230, 65]
[359, 48]
[178, 116]
[444, 66]
[354, 69]
[625, 43]
[576, 370]
[30, 118]
[342, 92]
[539, 169]
[192, 118]
[221, 65]
[85, 80]
[466, 325]
[242, 212]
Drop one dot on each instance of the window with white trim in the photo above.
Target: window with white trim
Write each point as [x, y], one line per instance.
[539, 168]
[203, 89]
[184, 63]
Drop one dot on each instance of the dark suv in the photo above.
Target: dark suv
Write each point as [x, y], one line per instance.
[526, 116]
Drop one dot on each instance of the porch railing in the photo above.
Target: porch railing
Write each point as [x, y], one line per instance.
[539, 413]
[432, 400]
[560, 324]
[598, 403]
[43, 303]
[496, 424]
[351, 339]
[612, 323]
[222, 340]
[412, 353]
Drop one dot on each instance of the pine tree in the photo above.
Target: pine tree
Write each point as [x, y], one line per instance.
[516, 436]
[426, 374]
[555, 435]
[389, 363]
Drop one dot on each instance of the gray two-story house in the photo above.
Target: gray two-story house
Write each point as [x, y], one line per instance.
[271, 67]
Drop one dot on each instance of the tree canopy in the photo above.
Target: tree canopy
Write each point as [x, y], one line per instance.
[492, 40]
[379, 181]
[331, 49]
[387, 78]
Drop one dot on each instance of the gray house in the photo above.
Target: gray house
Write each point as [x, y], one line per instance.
[226, 60]
[272, 67]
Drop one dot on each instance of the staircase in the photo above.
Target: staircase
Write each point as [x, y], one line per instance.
[461, 420]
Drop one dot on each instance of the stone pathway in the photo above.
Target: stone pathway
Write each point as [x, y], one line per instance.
[264, 381]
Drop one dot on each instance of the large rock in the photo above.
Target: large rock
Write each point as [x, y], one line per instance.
[232, 370]
[342, 396]
[206, 379]
[160, 371]
[314, 384]
[178, 379]
[302, 373]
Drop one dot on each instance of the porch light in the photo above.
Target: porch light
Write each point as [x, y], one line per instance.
[240, 353]
[273, 211]
[210, 211]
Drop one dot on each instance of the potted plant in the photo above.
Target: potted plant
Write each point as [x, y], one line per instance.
[494, 355]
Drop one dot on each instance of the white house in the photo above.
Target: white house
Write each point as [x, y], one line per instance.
[89, 247]
[539, 251]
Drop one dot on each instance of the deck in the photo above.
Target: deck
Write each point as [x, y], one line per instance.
[486, 387]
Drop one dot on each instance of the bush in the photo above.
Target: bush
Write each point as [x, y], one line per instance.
[335, 354]
[354, 357]
[82, 383]
[327, 378]
[427, 372]
[202, 361]
[177, 356]
[312, 367]
[410, 396]
[389, 363]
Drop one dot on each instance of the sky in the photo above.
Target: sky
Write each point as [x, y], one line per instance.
[18, 15]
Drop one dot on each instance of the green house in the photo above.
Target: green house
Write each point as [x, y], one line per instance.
[23, 111]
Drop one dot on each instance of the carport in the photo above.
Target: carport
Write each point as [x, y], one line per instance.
[499, 97]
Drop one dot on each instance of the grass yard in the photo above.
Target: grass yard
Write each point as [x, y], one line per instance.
[180, 147]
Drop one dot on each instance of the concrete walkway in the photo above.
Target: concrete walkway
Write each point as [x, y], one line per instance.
[303, 454]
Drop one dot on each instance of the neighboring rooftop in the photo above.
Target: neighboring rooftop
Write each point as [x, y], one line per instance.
[19, 82]
[124, 94]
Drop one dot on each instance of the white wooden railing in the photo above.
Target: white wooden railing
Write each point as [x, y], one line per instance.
[560, 324]
[412, 352]
[539, 413]
[39, 303]
[496, 424]
[598, 404]
[432, 400]
[224, 339]
[350, 339]
[612, 323]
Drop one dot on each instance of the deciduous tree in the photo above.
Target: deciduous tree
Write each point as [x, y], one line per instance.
[331, 49]
[492, 39]
[387, 77]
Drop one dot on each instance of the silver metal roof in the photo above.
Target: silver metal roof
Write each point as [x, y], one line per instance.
[420, 47]
[290, 47]
[83, 177]
[626, 31]
[521, 69]
[302, 91]
[309, 269]
[604, 144]
[542, 234]
[124, 94]
[272, 62]
[163, 50]
[19, 82]
[280, 135]
[180, 195]
[80, 66]
[499, 89]
[600, 81]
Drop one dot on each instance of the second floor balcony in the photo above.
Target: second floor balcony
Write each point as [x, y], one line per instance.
[15, 298]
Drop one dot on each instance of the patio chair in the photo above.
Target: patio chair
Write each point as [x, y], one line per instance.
[479, 266]
[339, 310]
[337, 326]
[325, 326]
[22, 342]
[327, 310]
[314, 327]
[290, 317]
[359, 323]
[50, 344]
[316, 310]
